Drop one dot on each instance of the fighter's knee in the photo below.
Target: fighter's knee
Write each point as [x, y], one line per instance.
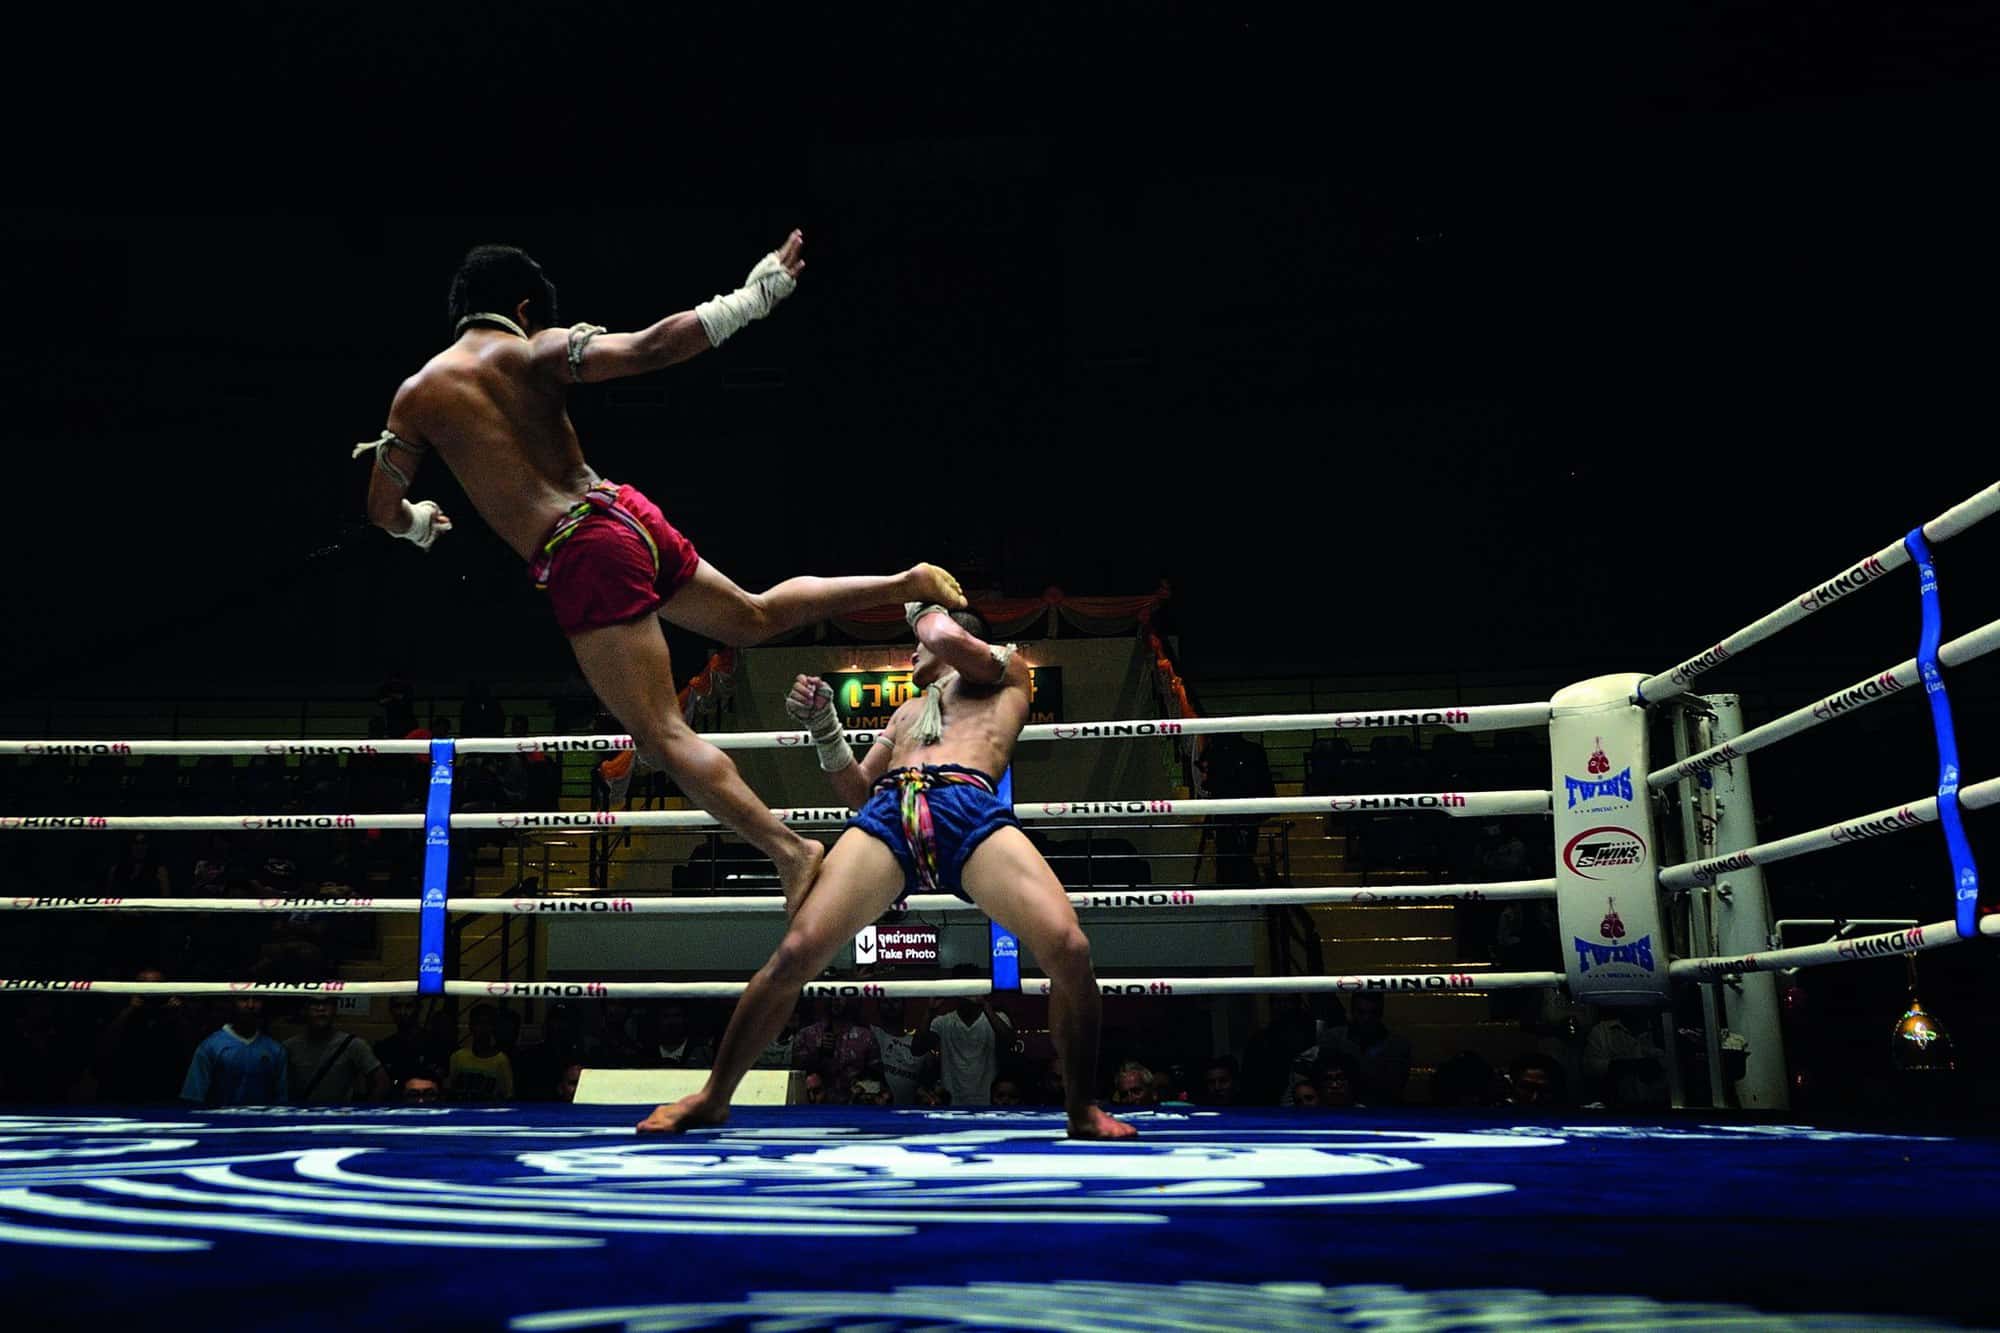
[1067, 955]
[798, 958]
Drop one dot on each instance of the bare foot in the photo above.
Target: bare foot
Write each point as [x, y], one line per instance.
[797, 878]
[1094, 1124]
[693, 1111]
[929, 583]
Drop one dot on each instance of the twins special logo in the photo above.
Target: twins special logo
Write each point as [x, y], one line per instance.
[1605, 847]
[1599, 791]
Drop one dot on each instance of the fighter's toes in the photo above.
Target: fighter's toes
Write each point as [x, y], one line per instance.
[935, 584]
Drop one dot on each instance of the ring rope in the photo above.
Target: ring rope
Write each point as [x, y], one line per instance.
[1478, 717]
[1461, 805]
[1895, 819]
[1912, 939]
[1841, 703]
[595, 904]
[1957, 519]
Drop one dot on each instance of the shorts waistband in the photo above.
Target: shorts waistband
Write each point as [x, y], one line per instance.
[601, 498]
[937, 775]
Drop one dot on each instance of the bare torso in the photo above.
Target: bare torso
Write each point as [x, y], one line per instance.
[981, 724]
[502, 429]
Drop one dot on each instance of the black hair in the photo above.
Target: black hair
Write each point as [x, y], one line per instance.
[972, 623]
[497, 278]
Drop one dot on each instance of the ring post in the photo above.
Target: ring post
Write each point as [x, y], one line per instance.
[1607, 861]
[1006, 949]
[437, 871]
[1741, 913]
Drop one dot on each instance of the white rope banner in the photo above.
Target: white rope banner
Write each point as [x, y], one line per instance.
[1428, 982]
[1475, 717]
[1890, 558]
[1858, 948]
[334, 987]
[702, 990]
[592, 904]
[1837, 705]
[54, 903]
[1880, 824]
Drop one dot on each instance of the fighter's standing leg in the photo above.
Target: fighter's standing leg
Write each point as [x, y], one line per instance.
[861, 878]
[630, 670]
[711, 605]
[1011, 883]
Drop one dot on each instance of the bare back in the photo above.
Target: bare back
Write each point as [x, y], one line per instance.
[500, 424]
[981, 723]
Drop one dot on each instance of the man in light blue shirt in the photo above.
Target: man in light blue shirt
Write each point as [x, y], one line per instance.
[239, 1064]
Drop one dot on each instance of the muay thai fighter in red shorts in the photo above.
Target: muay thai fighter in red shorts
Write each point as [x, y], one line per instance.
[492, 406]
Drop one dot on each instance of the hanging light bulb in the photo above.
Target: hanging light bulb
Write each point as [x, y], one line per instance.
[1917, 1043]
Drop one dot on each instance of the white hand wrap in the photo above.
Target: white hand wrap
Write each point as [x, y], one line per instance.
[915, 611]
[760, 293]
[425, 526]
[822, 719]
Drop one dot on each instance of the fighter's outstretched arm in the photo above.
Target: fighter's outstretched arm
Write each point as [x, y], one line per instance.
[587, 354]
[398, 453]
[810, 703]
[957, 647]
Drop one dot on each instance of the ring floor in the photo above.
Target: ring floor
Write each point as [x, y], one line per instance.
[541, 1217]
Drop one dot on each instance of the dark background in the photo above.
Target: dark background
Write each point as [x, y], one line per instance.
[1396, 344]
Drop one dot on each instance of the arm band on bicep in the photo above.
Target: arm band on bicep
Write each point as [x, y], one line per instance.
[381, 446]
[579, 338]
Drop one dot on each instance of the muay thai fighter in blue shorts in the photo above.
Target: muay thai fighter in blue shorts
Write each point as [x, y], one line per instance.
[926, 819]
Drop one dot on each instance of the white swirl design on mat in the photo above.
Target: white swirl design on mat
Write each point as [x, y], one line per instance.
[1215, 1307]
[115, 1183]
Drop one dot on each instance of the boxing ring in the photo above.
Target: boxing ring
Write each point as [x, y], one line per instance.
[1215, 1218]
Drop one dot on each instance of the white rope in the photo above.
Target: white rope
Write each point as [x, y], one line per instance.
[1859, 948]
[1879, 824]
[335, 987]
[1480, 717]
[1836, 705]
[1858, 576]
[1436, 983]
[599, 905]
[1460, 805]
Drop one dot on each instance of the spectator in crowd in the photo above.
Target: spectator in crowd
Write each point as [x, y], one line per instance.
[39, 1059]
[1538, 1081]
[934, 1094]
[538, 1069]
[1218, 1081]
[836, 1048]
[1625, 1062]
[143, 1052]
[566, 1085]
[409, 1046]
[618, 1041]
[895, 1049]
[666, 1043]
[1302, 1095]
[1275, 1048]
[1133, 1085]
[330, 1067]
[239, 1064]
[1382, 1057]
[968, 1038]
[399, 711]
[815, 1090]
[870, 1090]
[420, 1086]
[1337, 1080]
[480, 1070]
[1007, 1092]
[1467, 1080]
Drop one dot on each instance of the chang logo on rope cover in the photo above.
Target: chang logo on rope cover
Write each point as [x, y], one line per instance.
[1606, 847]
